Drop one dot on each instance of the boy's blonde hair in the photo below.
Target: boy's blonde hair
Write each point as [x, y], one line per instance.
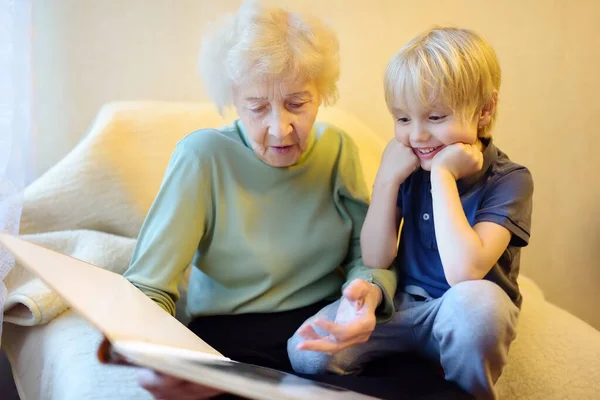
[456, 67]
[264, 43]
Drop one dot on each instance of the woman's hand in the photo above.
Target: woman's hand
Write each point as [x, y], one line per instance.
[164, 387]
[354, 321]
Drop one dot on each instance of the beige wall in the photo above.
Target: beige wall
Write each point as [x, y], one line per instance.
[89, 52]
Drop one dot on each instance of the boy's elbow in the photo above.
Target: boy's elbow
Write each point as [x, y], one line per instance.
[461, 273]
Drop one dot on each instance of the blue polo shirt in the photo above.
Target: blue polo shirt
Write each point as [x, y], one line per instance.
[501, 192]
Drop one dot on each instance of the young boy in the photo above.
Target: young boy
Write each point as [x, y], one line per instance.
[466, 212]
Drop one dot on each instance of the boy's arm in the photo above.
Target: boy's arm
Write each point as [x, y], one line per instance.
[384, 280]
[468, 253]
[379, 235]
[352, 201]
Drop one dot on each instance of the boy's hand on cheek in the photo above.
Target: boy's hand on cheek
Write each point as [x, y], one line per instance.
[459, 159]
[397, 163]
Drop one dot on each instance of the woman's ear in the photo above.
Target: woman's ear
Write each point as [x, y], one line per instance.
[487, 112]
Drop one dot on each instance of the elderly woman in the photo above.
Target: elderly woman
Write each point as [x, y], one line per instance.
[269, 209]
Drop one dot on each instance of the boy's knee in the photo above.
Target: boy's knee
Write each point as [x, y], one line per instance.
[311, 362]
[305, 361]
[473, 294]
[482, 315]
[314, 362]
[478, 301]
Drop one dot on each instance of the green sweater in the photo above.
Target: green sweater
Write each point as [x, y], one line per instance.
[260, 238]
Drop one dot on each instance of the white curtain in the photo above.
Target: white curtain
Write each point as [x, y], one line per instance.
[15, 120]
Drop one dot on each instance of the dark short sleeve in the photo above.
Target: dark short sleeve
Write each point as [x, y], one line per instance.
[507, 201]
[399, 200]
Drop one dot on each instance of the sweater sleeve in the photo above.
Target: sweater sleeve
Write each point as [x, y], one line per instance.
[352, 197]
[172, 230]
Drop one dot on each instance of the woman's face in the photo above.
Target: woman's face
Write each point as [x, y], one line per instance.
[278, 117]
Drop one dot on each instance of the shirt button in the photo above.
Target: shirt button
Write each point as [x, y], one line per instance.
[426, 217]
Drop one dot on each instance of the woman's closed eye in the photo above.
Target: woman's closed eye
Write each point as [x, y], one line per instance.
[296, 106]
[257, 110]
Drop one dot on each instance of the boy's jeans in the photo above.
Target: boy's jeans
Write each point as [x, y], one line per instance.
[468, 331]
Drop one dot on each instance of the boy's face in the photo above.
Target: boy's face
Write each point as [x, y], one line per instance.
[427, 130]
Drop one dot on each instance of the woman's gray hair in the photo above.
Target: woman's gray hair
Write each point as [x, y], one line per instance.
[266, 43]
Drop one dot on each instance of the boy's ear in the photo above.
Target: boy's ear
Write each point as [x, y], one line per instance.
[487, 112]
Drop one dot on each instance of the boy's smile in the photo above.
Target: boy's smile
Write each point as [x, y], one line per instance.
[427, 153]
